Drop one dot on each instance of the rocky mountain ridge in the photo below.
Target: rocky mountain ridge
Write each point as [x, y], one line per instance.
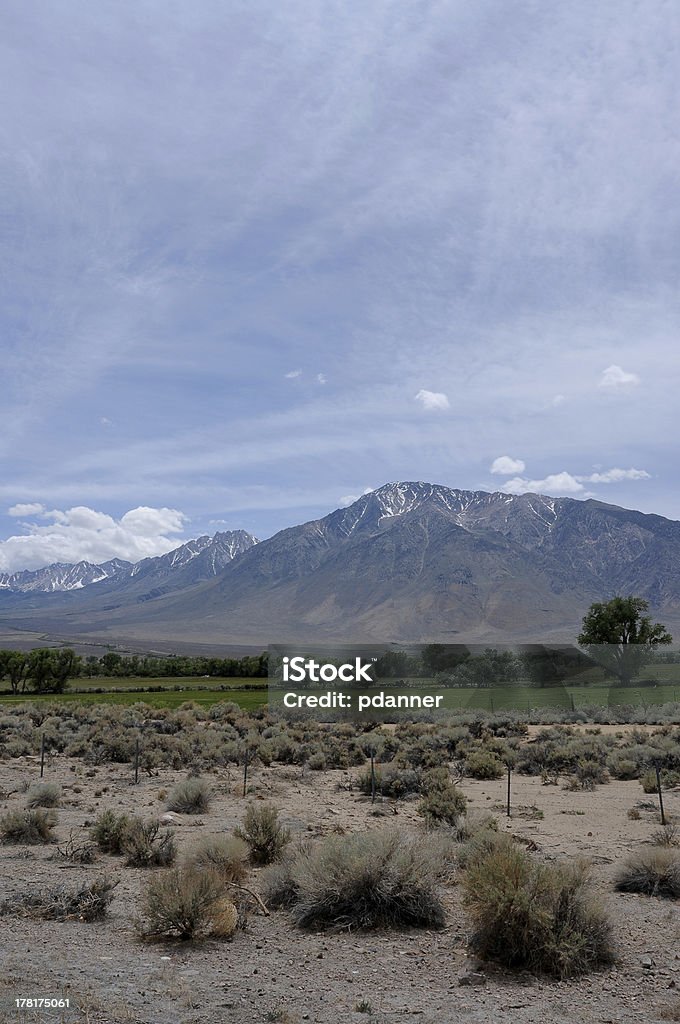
[206, 555]
[410, 561]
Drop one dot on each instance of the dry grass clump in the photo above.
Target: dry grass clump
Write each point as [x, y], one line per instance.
[279, 883]
[654, 872]
[43, 794]
[89, 903]
[473, 822]
[187, 903]
[143, 843]
[192, 796]
[480, 843]
[534, 916]
[394, 782]
[484, 764]
[370, 880]
[32, 826]
[109, 831]
[227, 855]
[668, 779]
[146, 845]
[667, 835]
[587, 775]
[443, 802]
[263, 833]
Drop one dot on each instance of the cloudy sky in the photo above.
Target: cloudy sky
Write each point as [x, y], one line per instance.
[257, 257]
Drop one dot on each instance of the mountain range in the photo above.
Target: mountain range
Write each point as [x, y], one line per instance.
[189, 563]
[62, 576]
[410, 561]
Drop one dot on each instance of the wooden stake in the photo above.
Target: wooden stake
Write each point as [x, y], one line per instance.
[42, 754]
[372, 776]
[136, 760]
[658, 789]
[245, 772]
[509, 774]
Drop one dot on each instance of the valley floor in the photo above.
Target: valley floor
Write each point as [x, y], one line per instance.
[273, 972]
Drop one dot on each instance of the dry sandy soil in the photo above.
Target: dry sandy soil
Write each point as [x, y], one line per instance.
[271, 971]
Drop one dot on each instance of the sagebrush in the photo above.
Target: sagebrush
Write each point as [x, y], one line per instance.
[187, 903]
[538, 917]
[264, 834]
[654, 872]
[192, 796]
[367, 880]
[43, 794]
[32, 826]
[228, 855]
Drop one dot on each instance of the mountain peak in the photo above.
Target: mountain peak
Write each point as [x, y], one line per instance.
[403, 496]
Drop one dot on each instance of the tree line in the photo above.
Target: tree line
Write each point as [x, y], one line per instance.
[615, 635]
[49, 669]
[456, 666]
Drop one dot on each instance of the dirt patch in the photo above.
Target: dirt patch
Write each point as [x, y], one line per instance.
[271, 971]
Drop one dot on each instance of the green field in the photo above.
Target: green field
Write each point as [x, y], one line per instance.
[175, 690]
[247, 699]
[521, 697]
[167, 682]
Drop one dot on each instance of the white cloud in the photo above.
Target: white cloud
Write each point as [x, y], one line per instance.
[558, 400]
[432, 399]
[292, 374]
[615, 378]
[554, 483]
[83, 533]
[571, 483]
[506, 466]
[29, 508]
[613, 476]
[322, 378]
[151, 522]
[349, 499]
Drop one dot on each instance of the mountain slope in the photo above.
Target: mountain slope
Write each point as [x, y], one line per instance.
[409, 561]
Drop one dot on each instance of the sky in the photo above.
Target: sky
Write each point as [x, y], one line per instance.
[256, 258]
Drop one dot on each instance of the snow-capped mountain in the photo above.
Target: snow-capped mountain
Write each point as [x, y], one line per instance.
[62, 576]
[534, 514]
[409, 561]
[199, 559]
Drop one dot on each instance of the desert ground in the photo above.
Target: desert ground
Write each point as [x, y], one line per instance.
[272, 971]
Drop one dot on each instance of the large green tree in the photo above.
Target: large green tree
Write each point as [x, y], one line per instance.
[617, 635]
[16, 666]
[49, 669]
